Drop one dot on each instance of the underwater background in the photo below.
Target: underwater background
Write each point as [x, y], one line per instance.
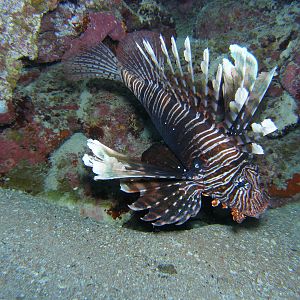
[64, 235]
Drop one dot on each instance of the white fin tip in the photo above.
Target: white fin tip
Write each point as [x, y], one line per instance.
[257, 149]
[266, 127]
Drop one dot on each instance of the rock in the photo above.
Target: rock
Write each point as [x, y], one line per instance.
[291, 79]
[19, 26]
[100, 25]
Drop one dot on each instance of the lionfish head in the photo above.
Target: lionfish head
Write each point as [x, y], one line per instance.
[248, 197]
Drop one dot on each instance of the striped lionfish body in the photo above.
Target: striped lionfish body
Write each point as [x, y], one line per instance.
[205, 128]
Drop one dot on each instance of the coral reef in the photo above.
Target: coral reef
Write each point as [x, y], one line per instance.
[148, 14]
[100, 25]
[73, 27]
[64, 173]
[291, 78]
[20, 22]
[58, 28]
[43, 142]
[39, 30]
[44, 115]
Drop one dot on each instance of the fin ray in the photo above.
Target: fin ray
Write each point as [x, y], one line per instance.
[97, 62]
[169, 202]
[109, 164]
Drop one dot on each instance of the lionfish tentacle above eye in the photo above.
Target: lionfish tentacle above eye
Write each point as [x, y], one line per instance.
[204, 126]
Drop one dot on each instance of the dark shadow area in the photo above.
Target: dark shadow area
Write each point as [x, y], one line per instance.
[28, 63]
[208, 215]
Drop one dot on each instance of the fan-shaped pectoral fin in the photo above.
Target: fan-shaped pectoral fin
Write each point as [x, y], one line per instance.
[167, 202]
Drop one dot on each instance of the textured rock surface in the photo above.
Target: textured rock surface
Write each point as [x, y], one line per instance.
[50, 110]
[58, 28]
[101, 25]
[148, 14]
[19, 26]
[27, 32]
[48, 251]
[46, 110]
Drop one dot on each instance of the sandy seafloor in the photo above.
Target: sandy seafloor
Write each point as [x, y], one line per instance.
[51, 252]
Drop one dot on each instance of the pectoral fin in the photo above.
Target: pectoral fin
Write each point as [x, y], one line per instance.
[109, 164]
[167, 202]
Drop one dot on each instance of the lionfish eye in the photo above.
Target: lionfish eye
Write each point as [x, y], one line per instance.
[242, 183]
[196, 163]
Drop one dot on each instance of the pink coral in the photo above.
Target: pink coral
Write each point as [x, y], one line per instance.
[291, 78]
[101, 25]
[31, 143]
[9, 116]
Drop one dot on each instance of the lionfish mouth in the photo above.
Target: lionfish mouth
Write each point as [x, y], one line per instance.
[256, 206]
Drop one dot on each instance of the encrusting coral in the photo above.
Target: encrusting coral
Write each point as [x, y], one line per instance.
[20, 22]
[40, 109]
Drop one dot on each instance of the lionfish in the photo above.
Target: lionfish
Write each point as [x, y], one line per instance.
[204, 127]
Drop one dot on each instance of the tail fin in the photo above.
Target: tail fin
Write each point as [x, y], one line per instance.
[97, 62]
